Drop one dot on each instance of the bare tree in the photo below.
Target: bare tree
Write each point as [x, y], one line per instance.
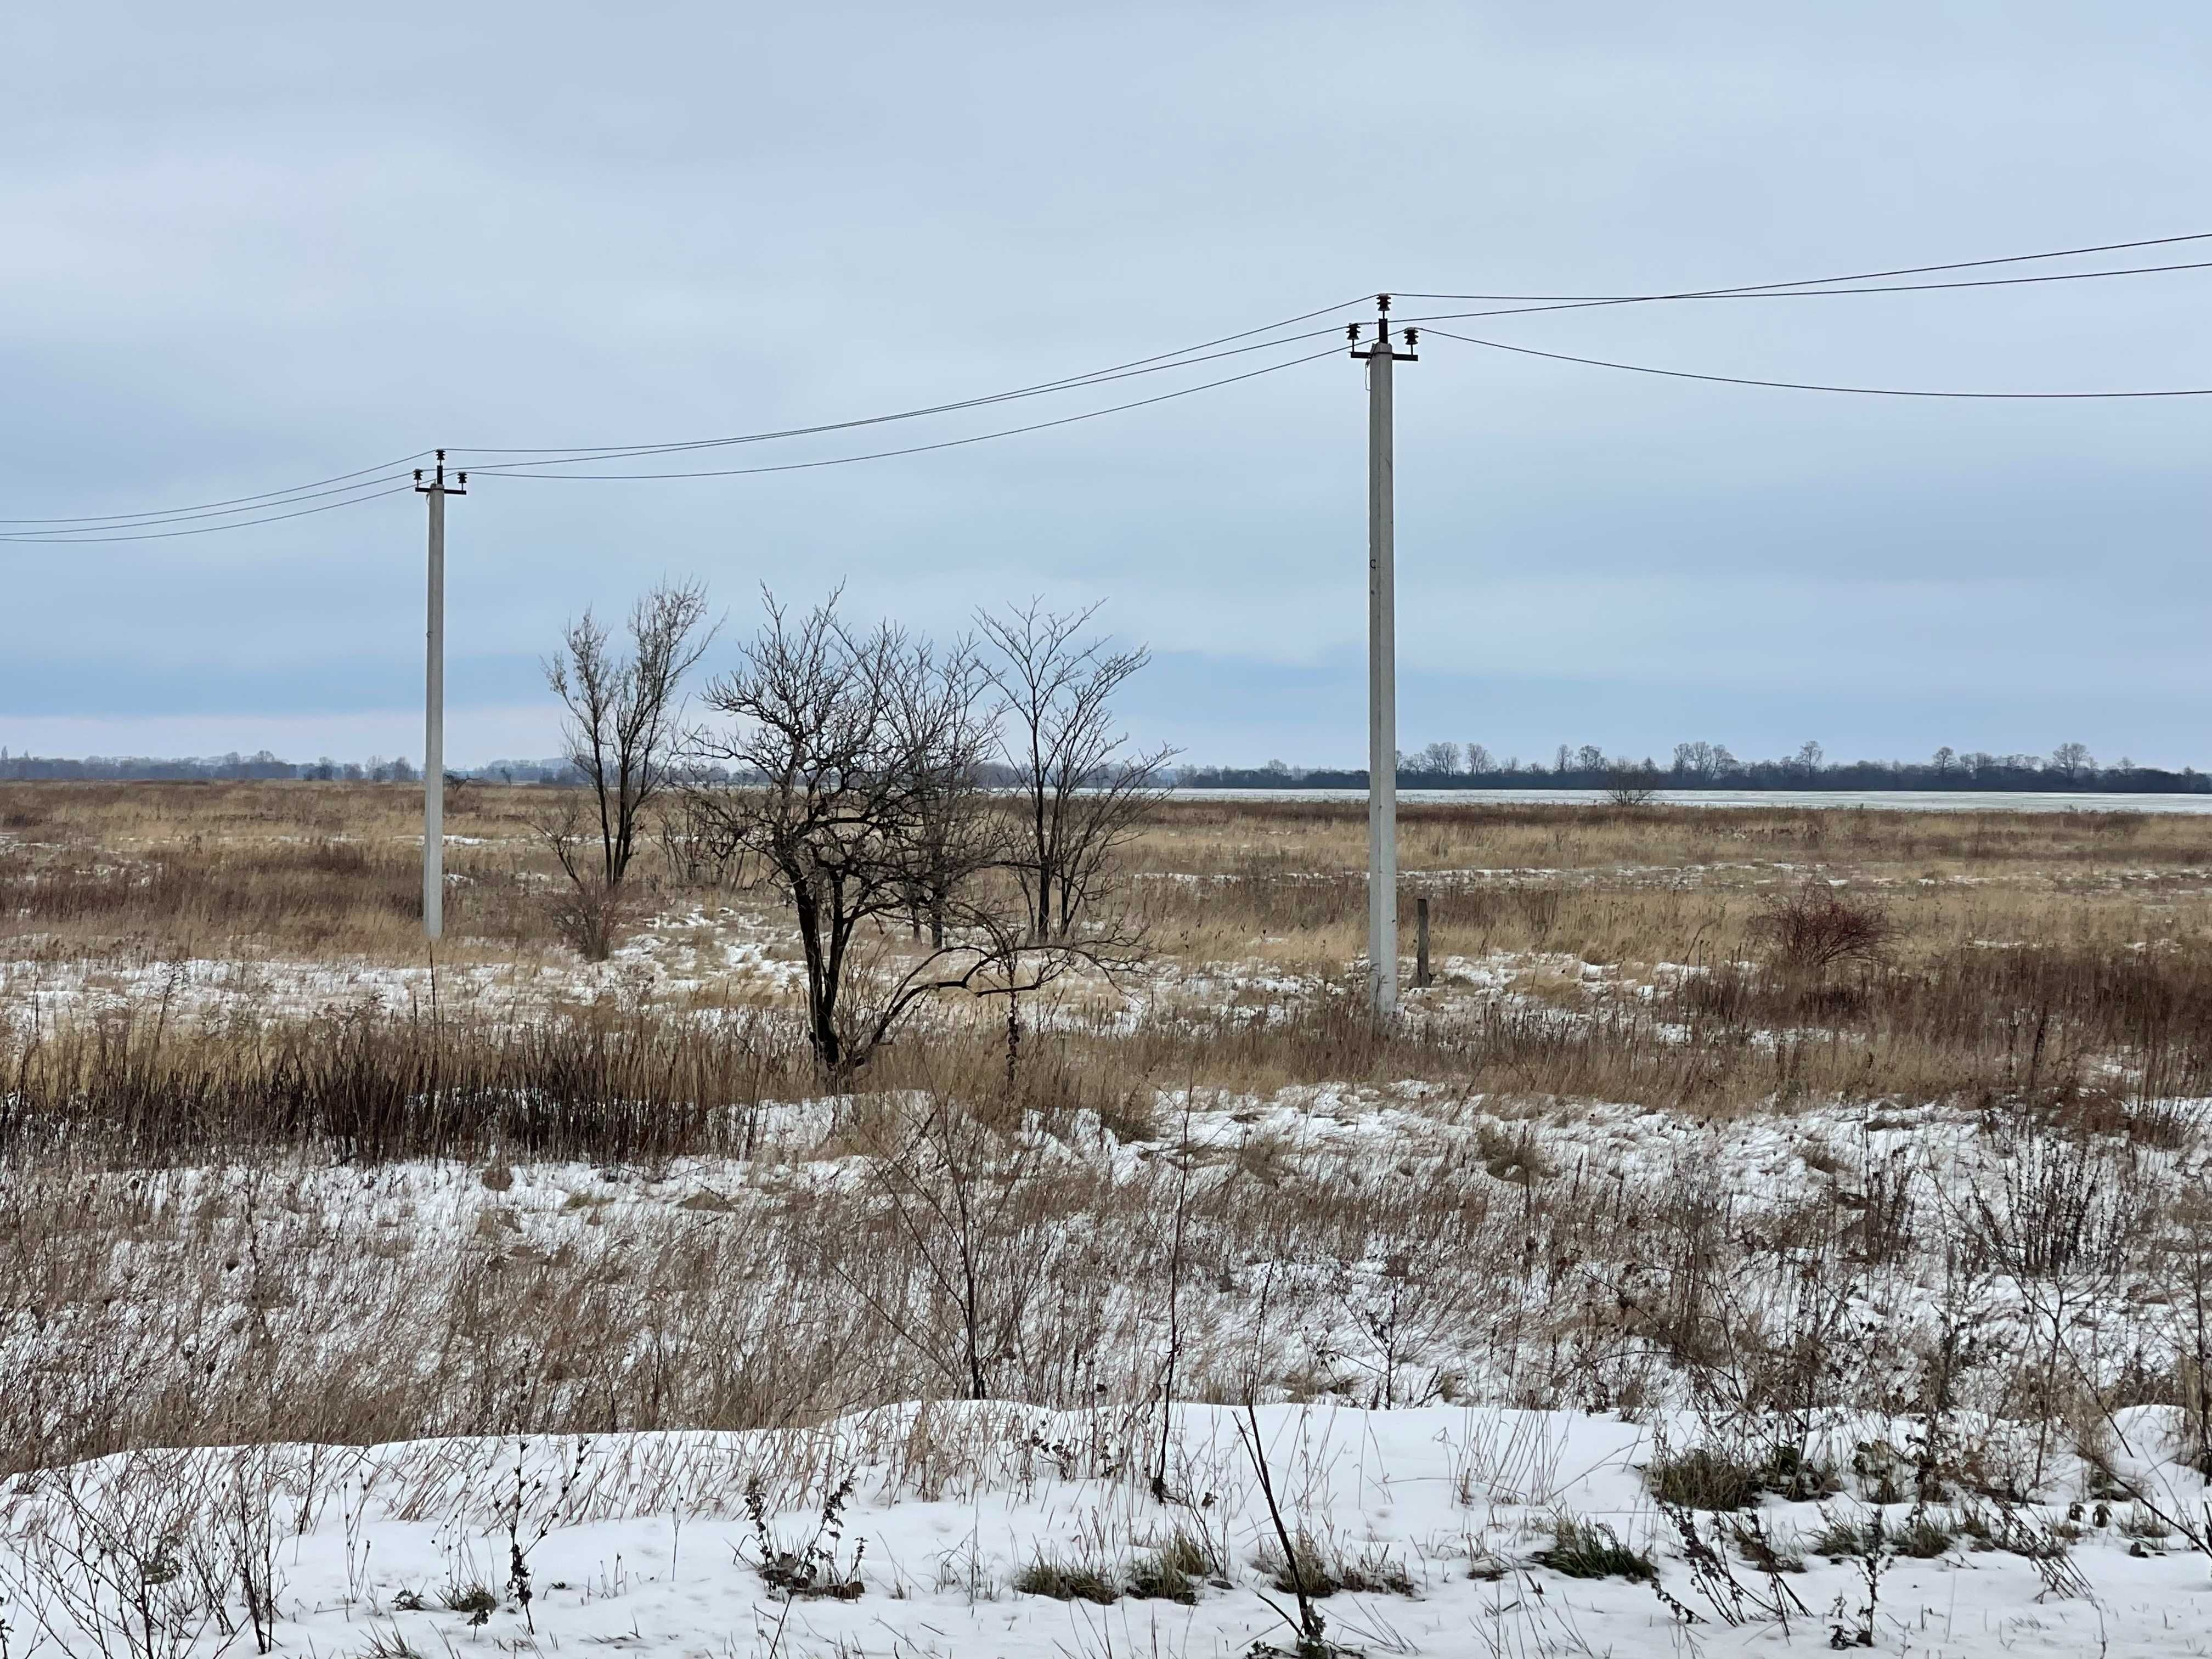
[1700, 760]
[2072, 762]
[623, 731]
[696, 847]
[1437, 757]
[867, 748]
[1083, 790]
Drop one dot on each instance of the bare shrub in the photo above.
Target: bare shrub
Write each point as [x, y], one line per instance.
[974, 1241]
[588, 913]
[698, 847]
[123, 1563]
[1629, 785]
[1810, 929]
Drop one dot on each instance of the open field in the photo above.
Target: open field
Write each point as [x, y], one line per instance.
[1868, 1292]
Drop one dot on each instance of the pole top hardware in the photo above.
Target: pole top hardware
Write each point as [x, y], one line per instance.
[459, 486]
[1382, 345]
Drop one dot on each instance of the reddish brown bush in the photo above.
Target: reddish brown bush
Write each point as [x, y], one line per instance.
[1810, 930]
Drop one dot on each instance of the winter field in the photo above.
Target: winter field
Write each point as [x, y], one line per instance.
[1776, 1229]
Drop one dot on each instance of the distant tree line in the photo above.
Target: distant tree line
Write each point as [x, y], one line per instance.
[2069, 767]
[263, 767]
[558, 772]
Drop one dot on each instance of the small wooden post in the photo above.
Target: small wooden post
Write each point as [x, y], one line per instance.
[1421, 940]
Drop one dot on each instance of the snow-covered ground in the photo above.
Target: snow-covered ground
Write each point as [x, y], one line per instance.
[673, 961]
[1445, 1512]
[650, 1543]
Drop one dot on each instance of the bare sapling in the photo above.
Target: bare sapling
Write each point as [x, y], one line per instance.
[526, 1532]
[977, 1246]
[1310, 1629]
[1183, 1156]
[624, 736]
[1084, 792]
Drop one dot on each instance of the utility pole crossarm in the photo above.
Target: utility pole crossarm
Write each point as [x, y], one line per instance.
[434, 700]
[1380, 356]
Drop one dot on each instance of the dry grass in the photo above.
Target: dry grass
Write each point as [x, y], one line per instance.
[1584, 952]
[324, 869]
[252, 869]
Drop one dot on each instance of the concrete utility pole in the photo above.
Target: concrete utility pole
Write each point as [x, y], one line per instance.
[433, 702]
[1381, 662]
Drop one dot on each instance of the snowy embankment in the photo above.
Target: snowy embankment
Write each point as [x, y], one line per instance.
[933, 1531]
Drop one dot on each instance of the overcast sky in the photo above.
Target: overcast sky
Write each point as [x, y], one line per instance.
[245, 246]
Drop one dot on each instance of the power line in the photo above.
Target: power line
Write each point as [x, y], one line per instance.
[1595, 302]
[1115, 371]
[917, 449]
[245, 505]
[1163, 361]
[141, 527]
[244, 514]
[268, 496]
[1807, 386]
[1772, 292]
[1852, 276]
[203, 530]
[242, 511]
[241, 506]
[512, 468]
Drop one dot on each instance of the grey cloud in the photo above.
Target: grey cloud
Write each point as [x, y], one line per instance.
[269, 243]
